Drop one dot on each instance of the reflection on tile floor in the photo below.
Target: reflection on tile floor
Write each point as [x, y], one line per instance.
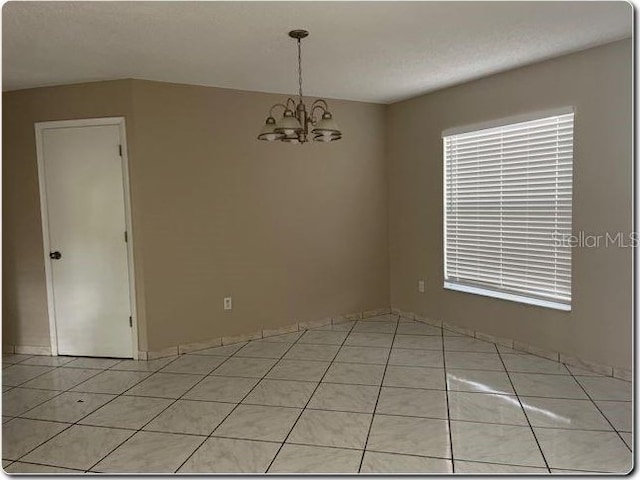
[384, 395]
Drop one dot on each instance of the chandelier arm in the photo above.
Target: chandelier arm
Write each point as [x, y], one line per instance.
[315, 105]
[274, 106]
[320, 100]
[293, 103]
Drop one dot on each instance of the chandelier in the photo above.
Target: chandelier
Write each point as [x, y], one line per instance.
[297, 122]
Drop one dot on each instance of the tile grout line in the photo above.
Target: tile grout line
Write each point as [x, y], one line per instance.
[80, 419]
[386, 365]
[171, 404]
[599, 410]
[59, 394]
[237, 354]
[296, 342]
[446, 392]
[535, 437]
[304, 408]
[138, 430]
[331, 410]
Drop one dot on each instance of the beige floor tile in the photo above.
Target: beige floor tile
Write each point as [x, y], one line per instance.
[370, 355]
[564, 413]
[127, 412]
[165, 385]
[355, 374]
[482, 381]
[413, 402]
[190, 417]
[304, 351]
[19, 400]
[416, 358]
[362, 339]
[303, 370]
[485, 442]
[473, 361]
[245, 367]
[606, 388]
[467, 467]
[533, 364]
[221, 389]
[281, 393]
[486, 407]
[582, 450]
[332, 429]
[21, 467]
[15, 375]
[253, 422]
[422, 342]
[15, 357]
[619, 414]
[264, 349]
[150, 452]
[542, 385]
[111, 381]
[308, 459]
[61, 378]
[323, 337]
[226, 455]
[392, 434]
[89, 362]
[68, 407]
[415, 377]
[374, 327]
[44, 360]
[468, 344]
[346, 398]
[377, 462]
[195, 364]
[19, 435]
[79, 447]
[418, 329]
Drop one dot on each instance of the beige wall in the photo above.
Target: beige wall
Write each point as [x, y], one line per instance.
[297, 233]
[294, 233]
[597, 82]
[24, 299]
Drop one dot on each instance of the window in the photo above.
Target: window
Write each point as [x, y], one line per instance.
[507, 210]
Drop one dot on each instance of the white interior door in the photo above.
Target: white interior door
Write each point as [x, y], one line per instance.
[85, 207]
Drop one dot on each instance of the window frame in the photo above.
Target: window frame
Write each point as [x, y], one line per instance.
[461, 286]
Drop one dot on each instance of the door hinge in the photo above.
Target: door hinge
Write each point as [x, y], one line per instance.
[126, 236]
[130, 322]
[120, 150]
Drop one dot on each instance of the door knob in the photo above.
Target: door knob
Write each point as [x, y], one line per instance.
[55, 255]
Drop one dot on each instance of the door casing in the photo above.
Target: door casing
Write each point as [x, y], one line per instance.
[39, 128]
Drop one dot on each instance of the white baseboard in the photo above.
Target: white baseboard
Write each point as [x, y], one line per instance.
[290, 328]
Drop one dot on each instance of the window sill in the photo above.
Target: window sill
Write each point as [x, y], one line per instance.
[507, 296]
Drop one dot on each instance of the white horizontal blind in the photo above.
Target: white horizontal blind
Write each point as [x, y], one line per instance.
[507, 208]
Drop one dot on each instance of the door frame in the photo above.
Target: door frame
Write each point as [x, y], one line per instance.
[40, 127]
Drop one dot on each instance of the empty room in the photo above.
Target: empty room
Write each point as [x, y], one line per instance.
[318, 237]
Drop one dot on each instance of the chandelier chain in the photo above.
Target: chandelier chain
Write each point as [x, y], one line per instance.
[300, 71]
[298, 125]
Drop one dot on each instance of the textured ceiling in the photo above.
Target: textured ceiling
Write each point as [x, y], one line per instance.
[369, 51]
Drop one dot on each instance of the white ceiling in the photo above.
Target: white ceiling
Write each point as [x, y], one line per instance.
[369, 51]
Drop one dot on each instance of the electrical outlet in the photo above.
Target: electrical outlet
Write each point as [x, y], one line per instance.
[421, 286]
[227, 303]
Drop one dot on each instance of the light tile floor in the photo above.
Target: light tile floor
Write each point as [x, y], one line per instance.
[384, 395]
